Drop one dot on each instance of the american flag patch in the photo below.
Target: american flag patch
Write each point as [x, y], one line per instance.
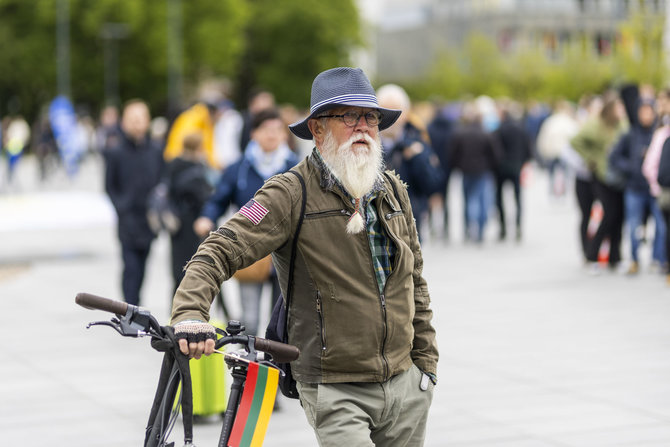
[253, 211]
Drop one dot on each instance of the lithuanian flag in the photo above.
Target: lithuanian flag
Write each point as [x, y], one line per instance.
[253, 414]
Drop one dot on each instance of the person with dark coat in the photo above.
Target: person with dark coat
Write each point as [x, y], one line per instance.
[133, 169]
[188, 190]
[407, 150]
[515, 145]
[476, 154]
[626, 158]
[440, 131]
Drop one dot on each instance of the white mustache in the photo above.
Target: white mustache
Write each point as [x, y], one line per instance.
[356, 137]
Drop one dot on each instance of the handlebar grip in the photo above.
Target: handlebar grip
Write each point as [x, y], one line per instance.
[280, 352]
[97, 302]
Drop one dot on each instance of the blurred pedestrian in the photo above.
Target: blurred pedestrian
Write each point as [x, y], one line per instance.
[407, 150]
[515, 146]
[259, 100]
[107, 133]
[133, 169]
[188, 190]
[17, 137]
[200, 117]
[654, 171]
[267, 154]
[553, 137]
[227, 134]
[476, 154]
[440, 131]
[627, 157]
[44, 146]
[593, 142]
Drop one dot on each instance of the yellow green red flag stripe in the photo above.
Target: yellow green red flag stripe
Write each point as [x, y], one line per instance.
[253, 414]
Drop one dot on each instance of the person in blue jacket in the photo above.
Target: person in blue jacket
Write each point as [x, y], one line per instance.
[626, 159]
[266, 154]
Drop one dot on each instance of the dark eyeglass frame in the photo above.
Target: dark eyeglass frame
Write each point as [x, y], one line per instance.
[351, 118]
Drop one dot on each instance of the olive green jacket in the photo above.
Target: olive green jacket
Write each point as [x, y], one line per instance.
[594, 142]
[345, 329]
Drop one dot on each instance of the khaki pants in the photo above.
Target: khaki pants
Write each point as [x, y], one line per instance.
[392, 413]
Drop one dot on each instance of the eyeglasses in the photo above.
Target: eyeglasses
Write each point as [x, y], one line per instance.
[351, 118]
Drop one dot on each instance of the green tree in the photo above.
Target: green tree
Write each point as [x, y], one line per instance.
[212, 43]
[640, 56]
[289, 42]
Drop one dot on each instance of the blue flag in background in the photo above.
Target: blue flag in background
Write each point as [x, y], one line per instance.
[64, 126]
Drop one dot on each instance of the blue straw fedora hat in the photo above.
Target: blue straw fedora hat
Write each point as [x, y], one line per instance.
[342, 86]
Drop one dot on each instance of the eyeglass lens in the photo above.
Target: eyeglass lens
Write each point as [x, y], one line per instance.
[372, 118]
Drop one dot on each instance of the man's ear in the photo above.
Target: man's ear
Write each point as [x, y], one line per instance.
[317, 129]
[314, 126]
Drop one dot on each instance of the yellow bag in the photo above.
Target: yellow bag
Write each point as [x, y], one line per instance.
[259, 271]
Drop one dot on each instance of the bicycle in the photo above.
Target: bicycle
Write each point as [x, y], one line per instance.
[133, 321]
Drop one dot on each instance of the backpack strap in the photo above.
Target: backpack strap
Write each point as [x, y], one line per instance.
[294, 246]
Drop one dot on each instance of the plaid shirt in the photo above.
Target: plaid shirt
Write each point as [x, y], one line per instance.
[382, 248]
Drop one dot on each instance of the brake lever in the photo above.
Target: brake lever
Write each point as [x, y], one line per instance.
[122, 327]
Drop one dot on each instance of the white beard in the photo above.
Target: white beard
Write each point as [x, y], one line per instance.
[356, 171]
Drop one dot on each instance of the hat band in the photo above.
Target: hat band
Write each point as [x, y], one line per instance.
[351, 99]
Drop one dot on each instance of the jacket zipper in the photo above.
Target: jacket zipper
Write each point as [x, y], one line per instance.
[393, 214]
[319, 311]
[327, 213]
[382, 298]
[382, 302]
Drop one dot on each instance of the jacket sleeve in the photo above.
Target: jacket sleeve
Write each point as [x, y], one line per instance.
[237, 244]
[652, 160]
[424, 351]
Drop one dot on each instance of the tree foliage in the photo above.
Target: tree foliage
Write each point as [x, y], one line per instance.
[289, 42]
[480, 69]
[279, 45]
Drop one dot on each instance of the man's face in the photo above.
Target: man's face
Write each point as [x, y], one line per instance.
[270, 134]
[342, 133]
[136, 120]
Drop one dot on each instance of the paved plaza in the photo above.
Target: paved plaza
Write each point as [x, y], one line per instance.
[534, 351]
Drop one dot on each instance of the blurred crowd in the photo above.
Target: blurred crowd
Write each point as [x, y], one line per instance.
[183, 175]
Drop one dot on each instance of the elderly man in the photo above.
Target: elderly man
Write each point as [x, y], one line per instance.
[360, 311]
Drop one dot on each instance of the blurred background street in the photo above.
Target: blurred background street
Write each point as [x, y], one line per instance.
[534, 350]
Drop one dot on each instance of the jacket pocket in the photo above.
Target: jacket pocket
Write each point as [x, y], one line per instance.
[322, 327]
[393, 214]
[327, 213]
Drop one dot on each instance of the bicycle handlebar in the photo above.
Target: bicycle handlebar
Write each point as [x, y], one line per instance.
[97, 302]
[280, 352]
